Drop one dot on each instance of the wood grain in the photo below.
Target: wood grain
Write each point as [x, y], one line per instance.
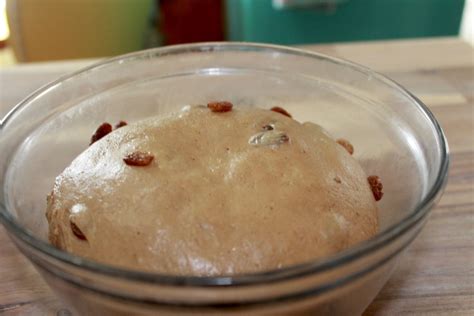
[436, 275]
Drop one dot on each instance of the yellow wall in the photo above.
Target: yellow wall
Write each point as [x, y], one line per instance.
[66, 29]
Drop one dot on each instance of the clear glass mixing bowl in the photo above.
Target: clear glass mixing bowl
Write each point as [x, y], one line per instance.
[395, 136]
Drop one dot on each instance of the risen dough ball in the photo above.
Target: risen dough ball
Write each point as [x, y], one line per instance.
[218, 198]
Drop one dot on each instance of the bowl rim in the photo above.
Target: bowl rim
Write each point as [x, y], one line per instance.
[418, 213]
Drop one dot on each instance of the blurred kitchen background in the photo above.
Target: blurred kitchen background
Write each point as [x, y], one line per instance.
[45, 30]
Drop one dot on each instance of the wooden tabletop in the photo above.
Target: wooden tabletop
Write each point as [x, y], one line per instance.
[436, 275]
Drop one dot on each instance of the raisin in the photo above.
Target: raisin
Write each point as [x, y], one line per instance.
[101, 131]
[376, 186]
[220, 106]
[77, 232]
[269, 138]
[120, 124]
[280, 110]
[268, 127]
[138, 159]
[345, 143]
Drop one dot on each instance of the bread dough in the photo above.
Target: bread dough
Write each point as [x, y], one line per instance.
[219, 197]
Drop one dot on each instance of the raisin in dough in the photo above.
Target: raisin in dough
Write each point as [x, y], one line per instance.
[219, 197]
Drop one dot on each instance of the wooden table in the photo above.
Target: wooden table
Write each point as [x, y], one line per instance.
[436, 276]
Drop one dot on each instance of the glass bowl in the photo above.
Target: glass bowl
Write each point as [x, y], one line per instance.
[395, 136]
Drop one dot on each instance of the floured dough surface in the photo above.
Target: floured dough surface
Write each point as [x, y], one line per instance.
[223, 195]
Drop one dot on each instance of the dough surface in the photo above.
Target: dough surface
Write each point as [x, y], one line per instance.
[219, 198]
